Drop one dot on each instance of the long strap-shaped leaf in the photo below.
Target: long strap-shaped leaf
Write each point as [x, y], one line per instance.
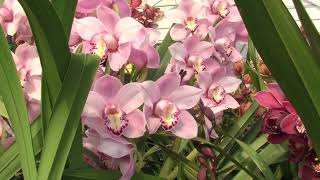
[15, 104]
[65, 10]
[309, 28]
[288, 56]
[66, 115]
[13, 165]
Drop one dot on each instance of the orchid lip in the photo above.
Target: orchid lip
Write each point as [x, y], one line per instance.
[191, 24]
[216, 93]
[115, 120]
[168, 114]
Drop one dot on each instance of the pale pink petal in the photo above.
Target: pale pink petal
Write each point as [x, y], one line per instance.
[127, 29]
[228, 103]
[186, 97]
[113, 148]
[178, 32]
[127, 165]
[32, 87]
[122, 8]
[230, 83]
[152, 92]
[267, 100]
[235, 55]
[34, 67]
[130, 97]
[107, 86]
[136, 125]
[108, 17]
[94, 106]
[153, 124]
[204, 80]
[178, 51]
[190, 43]
[176, 16]
[34, 108]
[153, 57]
[25, 53]
[207, 102]
[119, 58]
[187, 127]
[138, 58]
[168, 83]
[202, 30]
[85, 6]
[88, 27]
[203, 49]
[186, 6]
[97, 124]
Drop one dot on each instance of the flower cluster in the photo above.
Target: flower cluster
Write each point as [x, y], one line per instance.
[282, 123]
[123, 104]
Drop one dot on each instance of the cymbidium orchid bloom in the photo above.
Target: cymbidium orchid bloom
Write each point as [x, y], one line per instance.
[189, 19]
[217, 87]
[11, 13]
[166, 105]
[108, 36]
[29, 70]
[143, 53]
[87, 7]
[311, 167]
[113, 108]
[191, 56]
[224, 47]
[114, 152]
[282, 120]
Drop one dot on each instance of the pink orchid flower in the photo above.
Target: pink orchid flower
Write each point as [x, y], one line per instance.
[188, 19]
[114, 152]
[282, 120]
[89, 6]
[218, 86]
[108, 36]
[224, 46]
[112, 108]
[191, 56]
[10, 16]
[29, 69]
[166, 104]
[143, 53]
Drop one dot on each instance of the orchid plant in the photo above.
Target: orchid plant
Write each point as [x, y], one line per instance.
[89, 91]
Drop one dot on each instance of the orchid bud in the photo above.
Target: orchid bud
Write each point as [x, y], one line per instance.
[207, 152]
[202, 174]
[263, 69]
[238, 67]
[246, 79]
[202, 161]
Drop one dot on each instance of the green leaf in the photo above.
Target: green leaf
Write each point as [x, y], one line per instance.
[65, 10]
[227, 155]
[3, 111]
[287, 54]
[95, 174]
[89, 173]
[308, 27]
[75, 158]
[66, 114]
[15, 104]
[165, 56]
[10, 156]
[272, 154]
[266, 171]
[238, 128]
[178, 157]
